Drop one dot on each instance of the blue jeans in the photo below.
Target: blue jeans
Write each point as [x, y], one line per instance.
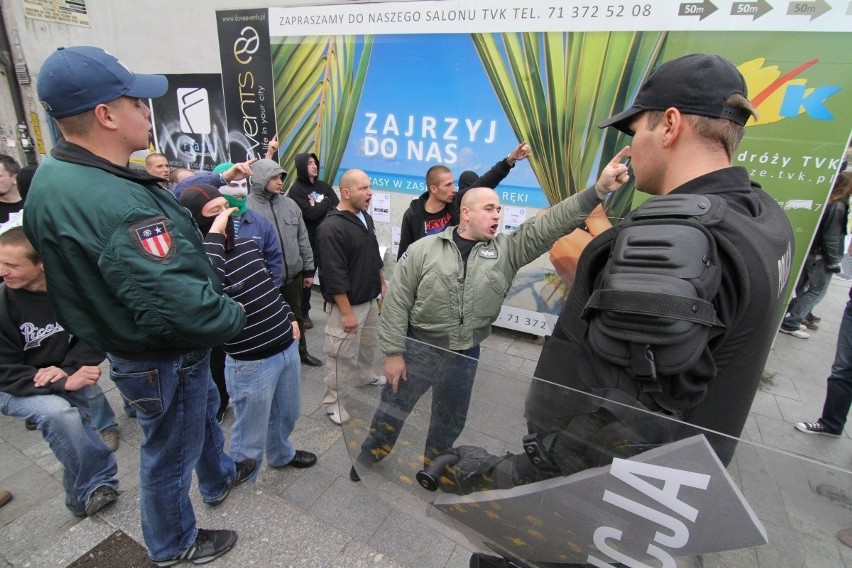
[102, 415]
[450, 375]
[810, 290]
[838, 396]
[175, 402]
[64, 422]
[265, 393]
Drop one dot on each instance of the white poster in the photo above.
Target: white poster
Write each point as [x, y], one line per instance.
[380, 207]
[512, 218]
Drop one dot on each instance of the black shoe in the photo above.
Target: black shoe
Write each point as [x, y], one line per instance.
[307, 323]
[100, 498]
[30, 424]
[353, 475]
[245, 469]
[310, 360]
[208, 546]
[302, 460]
[815, 428]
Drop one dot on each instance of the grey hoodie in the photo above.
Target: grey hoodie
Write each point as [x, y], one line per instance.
[285, 216]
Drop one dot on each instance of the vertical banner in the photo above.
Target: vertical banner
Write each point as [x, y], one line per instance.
[247, 82]
[189, 122]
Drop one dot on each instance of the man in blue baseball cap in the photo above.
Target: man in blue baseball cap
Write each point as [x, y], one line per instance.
[127, 273]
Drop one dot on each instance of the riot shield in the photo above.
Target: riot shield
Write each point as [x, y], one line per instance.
[611, 485]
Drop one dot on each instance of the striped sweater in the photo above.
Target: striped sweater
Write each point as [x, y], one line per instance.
[245, 278]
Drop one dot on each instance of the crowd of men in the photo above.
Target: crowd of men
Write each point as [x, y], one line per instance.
[198, 291]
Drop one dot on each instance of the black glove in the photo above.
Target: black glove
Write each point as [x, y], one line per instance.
[834, 269]
[475, 471]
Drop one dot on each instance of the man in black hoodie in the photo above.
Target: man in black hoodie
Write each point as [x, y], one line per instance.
[315, 198]
[438, 207]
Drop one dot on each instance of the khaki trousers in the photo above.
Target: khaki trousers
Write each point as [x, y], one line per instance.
[349, 355]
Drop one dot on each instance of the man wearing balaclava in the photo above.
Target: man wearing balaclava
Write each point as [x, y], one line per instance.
[231, 181]
[261, 368]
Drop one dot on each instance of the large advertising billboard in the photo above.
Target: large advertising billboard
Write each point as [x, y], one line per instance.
[394, 88]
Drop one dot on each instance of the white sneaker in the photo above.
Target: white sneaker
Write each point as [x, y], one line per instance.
[796, 333]
[377, 381]
[338, 416]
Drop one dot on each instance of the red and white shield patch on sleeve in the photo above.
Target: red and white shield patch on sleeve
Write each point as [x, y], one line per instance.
[155, 239]
[151, 236]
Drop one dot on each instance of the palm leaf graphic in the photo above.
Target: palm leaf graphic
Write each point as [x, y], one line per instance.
[556, 87]
[318, 84]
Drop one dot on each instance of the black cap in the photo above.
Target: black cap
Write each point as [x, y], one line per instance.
[694, 84]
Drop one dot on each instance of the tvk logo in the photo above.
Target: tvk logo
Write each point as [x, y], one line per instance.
[778, 94]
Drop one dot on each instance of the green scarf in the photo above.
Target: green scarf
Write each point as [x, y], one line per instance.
[241, 203]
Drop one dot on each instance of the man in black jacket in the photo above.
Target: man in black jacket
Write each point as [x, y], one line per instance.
[822, 261]
[315, 198]
[351, 282]
[438, 207]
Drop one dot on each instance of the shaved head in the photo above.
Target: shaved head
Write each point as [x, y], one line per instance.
[479, 214]
[475, 195]
[355, 191]
[350, 176]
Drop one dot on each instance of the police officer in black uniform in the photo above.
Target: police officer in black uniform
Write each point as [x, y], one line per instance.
[674, 309]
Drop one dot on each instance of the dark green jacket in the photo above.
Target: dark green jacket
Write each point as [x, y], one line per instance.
[111, 280]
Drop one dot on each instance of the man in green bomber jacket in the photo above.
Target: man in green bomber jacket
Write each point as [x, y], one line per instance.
[127, 273]
[446, 292]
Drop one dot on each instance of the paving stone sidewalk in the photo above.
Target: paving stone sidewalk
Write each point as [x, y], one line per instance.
[318, 517]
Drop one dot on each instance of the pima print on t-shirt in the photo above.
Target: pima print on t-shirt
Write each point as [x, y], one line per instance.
[33, 336]
[435, 226]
